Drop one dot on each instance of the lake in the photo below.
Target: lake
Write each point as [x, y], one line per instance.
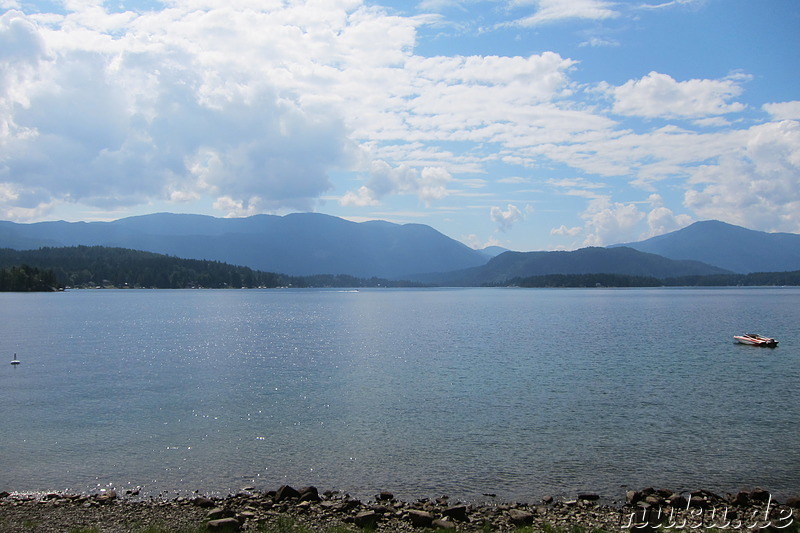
[518, 393]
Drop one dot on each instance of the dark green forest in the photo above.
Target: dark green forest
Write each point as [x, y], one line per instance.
[98, 266]
[585, 280]
[25, 278]
[756, 279]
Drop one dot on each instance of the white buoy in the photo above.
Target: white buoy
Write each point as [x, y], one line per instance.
[15, 361]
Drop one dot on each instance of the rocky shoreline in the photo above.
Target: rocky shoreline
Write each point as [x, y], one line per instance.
[250, 510]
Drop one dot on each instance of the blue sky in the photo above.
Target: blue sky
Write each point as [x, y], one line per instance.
[529, 124]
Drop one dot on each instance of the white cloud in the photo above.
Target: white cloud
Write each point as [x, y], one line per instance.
[757, 186]
[514, 180]
[478, 99]
[555, 10]
[428, 185]
[167, 110]
[432, 184]
[672, 3]
[563, 230]
[238, 208]
[475, 242]
[610, 222]
[659, 95]
[22, 54]
[579, 187]
[595, 42]
[643, 158]
[212, 99]
[506, 219]
[661, 220]
[575, 183]
[361, 197]
[784, 110]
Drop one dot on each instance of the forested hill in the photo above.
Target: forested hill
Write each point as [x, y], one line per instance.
[100, 266]
[621, 261]
[90, 266]
[24, 278]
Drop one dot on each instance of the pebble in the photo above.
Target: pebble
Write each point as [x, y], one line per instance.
[252, 510]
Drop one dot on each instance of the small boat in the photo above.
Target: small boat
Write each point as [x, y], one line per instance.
[756, 340]
[15, 361]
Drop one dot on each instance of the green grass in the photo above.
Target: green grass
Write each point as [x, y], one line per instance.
[167, 529]
[549, 528]
[153, 529]
[285, 524]
[289, 525]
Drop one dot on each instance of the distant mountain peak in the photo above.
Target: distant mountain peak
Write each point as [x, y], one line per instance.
[727, 246]
[591, 260]
[295, 244]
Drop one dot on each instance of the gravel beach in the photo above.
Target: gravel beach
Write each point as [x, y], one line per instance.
[306, 507]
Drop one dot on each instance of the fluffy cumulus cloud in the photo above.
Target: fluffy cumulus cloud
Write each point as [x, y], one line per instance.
[506, 219]
[757, 186]
[252, 106]
[608, 222]
[661, 219]
[428, 185]
[659, 95]
[784, 110]
[117, 110]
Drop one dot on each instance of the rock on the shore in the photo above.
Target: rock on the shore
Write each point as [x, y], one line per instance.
[384, 496]
[286, 492]
[366, 519]
[442, 523]
[520, 518]
[223, 525]
[219, 512]
[420, 518]
[309, 494]
[457, 512]
[201, 501]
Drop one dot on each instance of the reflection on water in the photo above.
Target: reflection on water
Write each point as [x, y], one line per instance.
[519, 393]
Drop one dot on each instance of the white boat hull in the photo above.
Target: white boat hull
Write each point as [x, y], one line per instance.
[756, 340]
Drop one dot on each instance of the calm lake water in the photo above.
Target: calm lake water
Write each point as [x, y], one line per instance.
[465, 392]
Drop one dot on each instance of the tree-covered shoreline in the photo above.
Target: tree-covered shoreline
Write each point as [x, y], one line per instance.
[104, 267]
[52, 269]
[24, 278]
[755, 279]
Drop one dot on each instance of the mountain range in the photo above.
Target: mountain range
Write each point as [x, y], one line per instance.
[727, 246]
[299, 244]
[622, 260]
[305, 244]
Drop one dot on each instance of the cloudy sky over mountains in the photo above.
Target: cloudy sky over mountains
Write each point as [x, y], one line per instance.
[532, 124]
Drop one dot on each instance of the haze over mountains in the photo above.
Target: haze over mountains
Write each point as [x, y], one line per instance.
[593, 260]
[727, 246]
[309, 243]
[298, 244]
